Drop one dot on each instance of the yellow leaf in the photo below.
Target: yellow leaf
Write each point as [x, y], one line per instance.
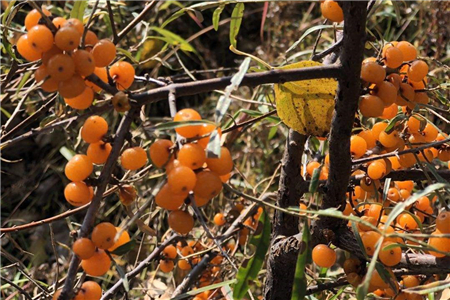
[306, 106]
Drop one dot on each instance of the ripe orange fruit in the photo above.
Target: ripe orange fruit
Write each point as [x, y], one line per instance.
[79, 168]
[393, 57]
[133, 158]
[370, 239]
[323, 256]
[181, 180]
[406, 94]
[181, 221]
[61, 67]
[188, 114]
[354, 279]
[122, 240]
[388, 139]
[166, 265]
[219, 219]
[204, 130]
[405, 185]
[352, 265]
[208, 185]
[409, 51]
[376, 170]
[372, 72]
[390, 257]
[103, 235]
[40, 38]
[91, 290]
[332, 11]
[221, 165]
[77, 193]
[170, 252]
[100, 73]
[99, 152]
[407, 221]
[127, 194]
[82, 101]
[91, 39]
[387, 92]
[410, 281]
[371, 106]
[417, 70]
[430, 133]
[441, 244]
[84, 248]
[98, 264]
[84, 62]
[72, 87]
[192, 156]
[94, 129]
[77, 24]
[160, 152]
[358, 146]
[184, 264]
[443, 222]
[104, 53]
[390, 112]
[395, 79]
[369, 219]
[50, 84]
[67, 38]
[123, 74]
[168, 199]
[33, 17]
[49, 54]
[368, 136]
[59, 22]
[25, 49]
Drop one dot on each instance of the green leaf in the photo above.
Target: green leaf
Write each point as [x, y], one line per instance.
[197, 6]
[68, 154]
[78, 10]
[125, 248]
[250, 268]
[7, 11]
[315, 180]
[394, 121]
[309, 31]
[300, 283]
[122, 275]
[172, 125]
[235, 24]
[386, 276]
[203, 289]
[174, 39]
[216, 17]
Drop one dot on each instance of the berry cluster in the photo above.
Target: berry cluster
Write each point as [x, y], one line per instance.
[68, 55]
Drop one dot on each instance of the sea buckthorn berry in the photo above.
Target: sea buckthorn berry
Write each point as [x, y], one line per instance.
[406, 221]
[370, 239]
[423, 203]
[354, 279]
[332, 11]
[421, 98]
[372, 72]
[371, 220]
[393, 194]
[166, 266]
[368, 136]
[323, 256]
[352, 265]
[204, 130]
[84, 62]
[443, 222]
[413, 124]
[189, 249]
[390, 257]
[208, 185]
[84, 248]
[40, 38]
[59, 22]
[94, 129]
[409, 51]
[181, 221]
[184, 264]
[390, 112]
[91, 290]
[388, 139]
[91, 38]
[160, 152]
[67, 38]
[49, 54]
[33, 17]
[358, 146]
[25, 49]
[133, 158]
[127, 194]
[122, 73]
[225, 177]
[103, 235]
[188, 114]
[404, 194]
[395, 79]
[192, 156]
[417, 70]
[104, 53]
[418, 85]
[219, 219]
[410, 281]
[378, 128]
[77, 24]
[50, 84]
[170, 252]
[122, 240]
[311, 166]
[223, 164]
[441, 244]
[102, 75]
[168, 199]
[371, 106]
[443, 154]
[82, 101]
[393, 57]
[430, 133]
[98, 264]
[121, 102]
[99, 152]
[71, 87]
[61, 67]
[405, 185]
[406, 94]
[77, 193]
[387, 92]
[181, 180]
[79, 168]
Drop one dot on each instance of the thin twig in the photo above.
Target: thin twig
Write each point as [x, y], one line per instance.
[135, 21]
[86, 28]
[251, 121]
[111, 19]
[25, 294]
[44, 16]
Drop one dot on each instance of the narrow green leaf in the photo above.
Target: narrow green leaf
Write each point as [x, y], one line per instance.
[272, 132]
[235, 24]
[122, 275]
[78, 10]
[300, 282]
[125, 248]
[250, 268]
[203, 289]
[174, 39]
[68, 154]
[308, 32]
[386, 276]
[7, 11]
[315, 180]
[394, 121]
[173, 125]
[216, 17]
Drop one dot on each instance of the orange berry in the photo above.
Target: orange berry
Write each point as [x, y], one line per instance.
[225, 177]
[160, 152]
[390, 257]
[77, 24]
[221, 165]
[413, 124]
[123, 74]
[358, 146]
[192, 156]
[99, 152]
[387, 92]
[441, 244]
[208, 185]
[370, 239]
[393, 194]
[91, 38]
[323, 256]
[395, 79]
[417, 70]
[443, 222]
[407, 221]
[443, 154]
[409, 51]
[77, 193]
[372, 72]
[367, 135]
[371, 106]
[219, 219]
[49, 54]
[332, 11]
[406, 185]
[91, 290]
[79, 168]
[40, 38]
[188, 114]
[84, 248]
[102, 75]
[352, 265]
[122, 240]
[368, 219]
[127, 194]
[166, 265]
[421, 98]
[168, 199]
[170, 252]
[388, 139]
[82, 101]
[181, 180]
[410, 281]
[204, 130]
[67, 38]
[393, 57]
[103, 235]
[311, 166]
[188, 250]
[94, 129]
[430, 133]
[98, 264]
[72, 87]
[84, 62]
[50, 84]
[61, 67]
[59, 22]
[378, 128]
[390, 112]
[33, 17]
[423, 203]
[184, 264]
[181, 221]
[104, 53]
[25, 49]
[354, 279]
[395, 163]
[406, 94]
[375, 211]
[133, 158]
